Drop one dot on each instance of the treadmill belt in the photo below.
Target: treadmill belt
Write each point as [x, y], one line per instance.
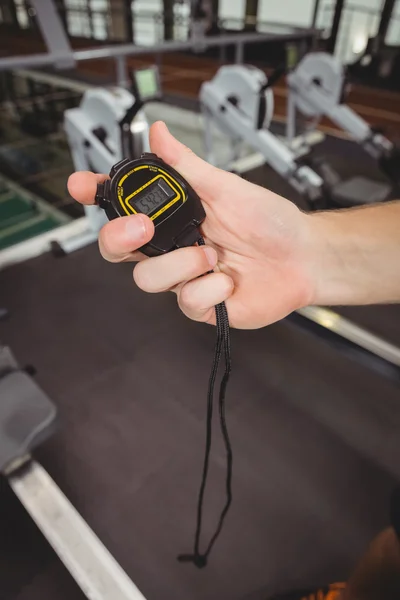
[314, 438]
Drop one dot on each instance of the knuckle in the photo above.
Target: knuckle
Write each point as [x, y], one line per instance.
[186, 299]
[198, 262]
[105, 246]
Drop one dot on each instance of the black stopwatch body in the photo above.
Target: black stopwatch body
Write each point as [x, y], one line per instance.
[149, 186]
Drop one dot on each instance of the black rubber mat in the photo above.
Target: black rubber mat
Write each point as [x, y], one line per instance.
[315, 438]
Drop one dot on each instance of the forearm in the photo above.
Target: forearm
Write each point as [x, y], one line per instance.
[356, 255]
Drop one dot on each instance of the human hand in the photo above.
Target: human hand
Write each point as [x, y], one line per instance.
[260, 245]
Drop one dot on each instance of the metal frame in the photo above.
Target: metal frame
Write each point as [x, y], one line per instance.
[384, 23]
[337, 17]
[315, 13]
[94, 569]
[120, 52]
[251, 14]
[353, 333]
[54, 33]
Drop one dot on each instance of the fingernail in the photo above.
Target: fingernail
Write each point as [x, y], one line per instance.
[211, 254]
[135, 228]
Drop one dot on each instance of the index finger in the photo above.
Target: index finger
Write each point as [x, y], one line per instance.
[83, 186]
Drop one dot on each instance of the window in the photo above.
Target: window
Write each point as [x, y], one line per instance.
[290, 12]
[148, 24]
[22, 14]
[231, 13]
[99, 10]
[393, 34]
[87, 18]
[181, 21]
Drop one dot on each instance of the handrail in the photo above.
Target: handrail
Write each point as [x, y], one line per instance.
[121, 51]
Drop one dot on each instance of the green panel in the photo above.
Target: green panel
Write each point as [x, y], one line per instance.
[14, 210]
[30, 231]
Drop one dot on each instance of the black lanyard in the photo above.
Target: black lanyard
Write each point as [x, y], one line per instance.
[222, 348]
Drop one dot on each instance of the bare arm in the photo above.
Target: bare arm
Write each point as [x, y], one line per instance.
[358, 254]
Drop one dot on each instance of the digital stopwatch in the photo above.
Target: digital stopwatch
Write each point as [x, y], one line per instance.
[151, 187]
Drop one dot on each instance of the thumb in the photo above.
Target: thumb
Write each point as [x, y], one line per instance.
[207, 181]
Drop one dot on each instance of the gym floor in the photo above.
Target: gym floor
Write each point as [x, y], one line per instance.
[314, 436]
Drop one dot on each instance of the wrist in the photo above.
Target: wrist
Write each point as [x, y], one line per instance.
[331, 249]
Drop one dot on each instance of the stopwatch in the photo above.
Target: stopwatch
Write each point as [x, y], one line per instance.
[149, 186]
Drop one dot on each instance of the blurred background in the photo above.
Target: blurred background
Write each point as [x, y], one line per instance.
[298, 96]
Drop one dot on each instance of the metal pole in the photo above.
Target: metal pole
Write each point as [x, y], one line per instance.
[54, 33]
[121, 71]
[239, 55]
[315, 14]
[92, 566]
[291, 117]
[250, 22]
[384, 23]
[348, 37]
[335, 26]
[168, 19]
[129, 21]
[215, 16]
[108, 52]
[222, 55]
[352, 332]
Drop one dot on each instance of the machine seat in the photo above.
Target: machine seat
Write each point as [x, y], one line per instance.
[357, 191]
[27, 415]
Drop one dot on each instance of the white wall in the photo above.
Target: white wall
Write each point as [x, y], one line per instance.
[232, 9]
[393, 36]
[292, 12]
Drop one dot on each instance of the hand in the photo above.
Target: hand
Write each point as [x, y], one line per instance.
[258, 243]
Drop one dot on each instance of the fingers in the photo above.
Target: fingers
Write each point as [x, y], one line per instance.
[197, 299]
[119, 239]
[163, 273]
[208, 181]
[83, 185]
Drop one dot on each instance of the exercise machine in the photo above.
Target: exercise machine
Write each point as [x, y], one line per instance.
[317, 88]
[27, 419]
[108, 125]
[239, 101]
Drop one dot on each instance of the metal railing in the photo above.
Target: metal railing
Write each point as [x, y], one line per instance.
[120, 52]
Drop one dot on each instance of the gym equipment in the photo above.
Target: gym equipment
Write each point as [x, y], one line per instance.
[28, 418]
[239, 101]
[151, 187]
[108, 126]
[318, 87]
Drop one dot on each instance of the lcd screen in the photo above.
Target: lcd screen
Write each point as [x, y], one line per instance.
[154, 196]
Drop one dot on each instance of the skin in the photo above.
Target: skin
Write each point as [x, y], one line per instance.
[269, 257]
